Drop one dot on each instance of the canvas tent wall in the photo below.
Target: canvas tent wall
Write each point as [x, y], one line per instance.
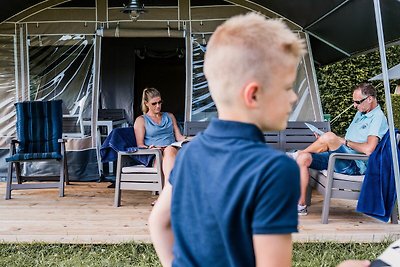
[39, 28]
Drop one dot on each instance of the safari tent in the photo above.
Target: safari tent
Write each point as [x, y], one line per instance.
[104, 52]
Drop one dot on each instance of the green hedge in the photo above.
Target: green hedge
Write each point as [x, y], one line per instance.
[336, 82]
[396, 110]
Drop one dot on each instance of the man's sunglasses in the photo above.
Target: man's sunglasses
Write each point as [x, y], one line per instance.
[358, 102]
[155, 103]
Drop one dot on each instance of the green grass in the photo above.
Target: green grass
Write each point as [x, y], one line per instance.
[39, 254]
[131, 254]
[330, 254]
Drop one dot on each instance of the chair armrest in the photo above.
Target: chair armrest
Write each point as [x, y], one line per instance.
[13, 143]
[146, 151]
[335, 156]
[331, 163]
[70, 116]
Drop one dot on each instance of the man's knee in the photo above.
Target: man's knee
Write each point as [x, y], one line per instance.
[328, 137]
[304, 159]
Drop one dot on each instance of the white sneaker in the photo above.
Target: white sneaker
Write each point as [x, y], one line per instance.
[302, 210]
[292, 155]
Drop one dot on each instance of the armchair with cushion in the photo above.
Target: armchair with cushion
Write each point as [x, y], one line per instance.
[39, 132]
[341, 186]
[137, 169]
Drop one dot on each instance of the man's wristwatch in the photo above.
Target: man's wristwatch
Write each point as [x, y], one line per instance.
[346, 142]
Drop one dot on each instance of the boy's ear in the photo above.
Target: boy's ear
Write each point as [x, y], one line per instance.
[250, 94]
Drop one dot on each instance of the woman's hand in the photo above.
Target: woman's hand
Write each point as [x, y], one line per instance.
[157, 147]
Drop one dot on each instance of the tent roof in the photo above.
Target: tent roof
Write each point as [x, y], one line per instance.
[393, 73]
[337, 28]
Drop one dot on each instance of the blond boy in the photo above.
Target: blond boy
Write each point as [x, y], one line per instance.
[232, 200]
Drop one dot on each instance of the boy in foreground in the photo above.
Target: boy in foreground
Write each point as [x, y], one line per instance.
[232, 200]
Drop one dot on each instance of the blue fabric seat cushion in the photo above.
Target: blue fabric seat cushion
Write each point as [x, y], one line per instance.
[39, 126]
[33, 156]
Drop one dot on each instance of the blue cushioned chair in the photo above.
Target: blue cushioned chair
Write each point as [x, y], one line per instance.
[39, 133]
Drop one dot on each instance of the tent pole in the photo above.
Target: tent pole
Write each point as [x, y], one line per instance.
[96, 138]
[382, 52]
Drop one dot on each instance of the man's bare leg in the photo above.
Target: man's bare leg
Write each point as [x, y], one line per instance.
[328, 141]
[304, 160]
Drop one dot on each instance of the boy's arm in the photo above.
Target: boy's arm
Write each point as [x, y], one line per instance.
[160, 226]
[273, 250]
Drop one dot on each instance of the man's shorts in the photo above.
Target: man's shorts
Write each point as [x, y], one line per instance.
[345, 166]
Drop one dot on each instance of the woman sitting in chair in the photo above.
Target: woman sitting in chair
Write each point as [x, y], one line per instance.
[156, 129]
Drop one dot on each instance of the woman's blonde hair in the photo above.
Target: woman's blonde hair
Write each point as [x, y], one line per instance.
[148, 93]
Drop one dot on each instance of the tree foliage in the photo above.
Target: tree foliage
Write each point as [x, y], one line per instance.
[336, 82]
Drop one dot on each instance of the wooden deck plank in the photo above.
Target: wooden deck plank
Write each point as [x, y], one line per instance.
[86, 215]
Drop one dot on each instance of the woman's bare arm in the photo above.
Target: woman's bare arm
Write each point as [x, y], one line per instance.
[140, 130]
[177, 131]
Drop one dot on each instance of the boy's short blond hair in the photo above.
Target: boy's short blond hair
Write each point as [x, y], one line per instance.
[247, 48]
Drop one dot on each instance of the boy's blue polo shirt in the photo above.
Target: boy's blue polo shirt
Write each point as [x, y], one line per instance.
[228, 186]
[363, 125]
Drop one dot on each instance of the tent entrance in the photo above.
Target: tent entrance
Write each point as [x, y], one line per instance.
[128, 65]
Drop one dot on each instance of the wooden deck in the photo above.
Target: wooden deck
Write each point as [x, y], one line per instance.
[86, 215]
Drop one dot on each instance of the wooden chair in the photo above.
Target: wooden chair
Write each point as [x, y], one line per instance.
[138, 177]
[39, 131]
[298, 136]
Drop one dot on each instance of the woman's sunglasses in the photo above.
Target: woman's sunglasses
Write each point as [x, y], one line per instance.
[155, 103]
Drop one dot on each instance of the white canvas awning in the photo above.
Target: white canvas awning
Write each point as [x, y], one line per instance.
[393, 74]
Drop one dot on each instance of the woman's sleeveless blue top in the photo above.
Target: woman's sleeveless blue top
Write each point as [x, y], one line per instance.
[159, 134]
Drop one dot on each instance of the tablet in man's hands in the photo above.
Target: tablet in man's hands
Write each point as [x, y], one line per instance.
[314, 129]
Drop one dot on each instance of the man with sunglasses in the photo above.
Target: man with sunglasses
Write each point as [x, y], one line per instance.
[369, 125]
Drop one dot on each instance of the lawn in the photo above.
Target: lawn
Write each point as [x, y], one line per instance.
[133, 254]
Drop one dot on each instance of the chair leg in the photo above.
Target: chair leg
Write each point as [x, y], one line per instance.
[9, 180]
[117, 197]
[394, 217]
[65, 162]
[18, 172]
[308, 195]
[62, 177]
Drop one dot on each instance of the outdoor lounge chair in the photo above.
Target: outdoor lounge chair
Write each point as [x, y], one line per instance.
[341, 186]
[138, 177]
[39, 131]
[135, 168]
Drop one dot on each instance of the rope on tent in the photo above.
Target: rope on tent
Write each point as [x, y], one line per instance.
[337, 117]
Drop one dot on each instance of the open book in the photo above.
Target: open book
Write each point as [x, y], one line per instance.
[314, 129]
[390, 257]
[181, 143]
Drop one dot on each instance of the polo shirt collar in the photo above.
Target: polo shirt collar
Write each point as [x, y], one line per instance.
[372, 112]
[234, 129]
